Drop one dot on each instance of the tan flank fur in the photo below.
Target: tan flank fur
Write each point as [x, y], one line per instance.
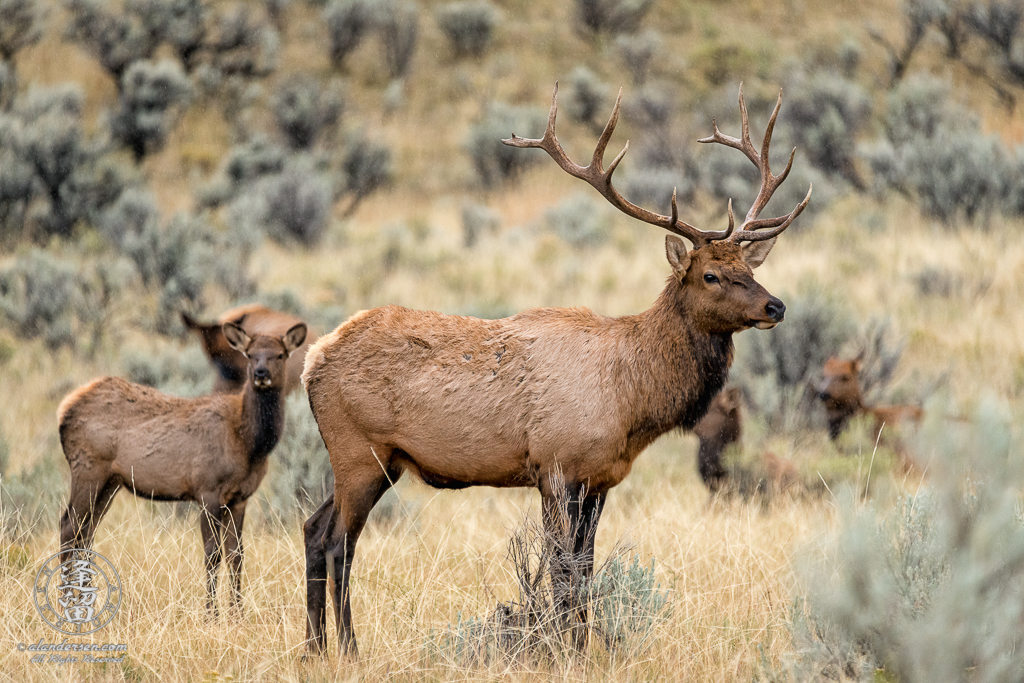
[563, 400]
[230, 364]
[211, 450]
[721, 427]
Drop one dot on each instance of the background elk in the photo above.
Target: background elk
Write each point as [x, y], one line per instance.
[212, 450]
[563, 400]
[718, 429]
[840, 392]
[230, 363]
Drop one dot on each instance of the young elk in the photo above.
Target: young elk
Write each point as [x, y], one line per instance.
[230, 364]
[212, 450]
[840, 392]
[720, 427]
[563, 400]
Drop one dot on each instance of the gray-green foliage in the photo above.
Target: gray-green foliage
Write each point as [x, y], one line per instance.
[300, 476]
[638, 51]
[305, 111]
[584, 97]
[580, 220]
[477, 219]
[493, 161]
[116, 39]
[179, 373]
[152, 94]
[348, 22]
[399, 23]
[775, 366]
[626, 603]
[366, 167]
[468, 26]
[929, 588]
[30, 500]
[611, 16]
[936, 153]
[21, 26]
[291, 206]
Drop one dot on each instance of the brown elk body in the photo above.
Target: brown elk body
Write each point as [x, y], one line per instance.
[840, 392]
[562, 400]
[230, 364]
[721, 427]
[211, 450]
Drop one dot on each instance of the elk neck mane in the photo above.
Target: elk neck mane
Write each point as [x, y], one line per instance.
[262, 421]
[679, 367]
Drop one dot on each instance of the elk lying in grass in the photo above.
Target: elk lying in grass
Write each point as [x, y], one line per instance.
[563, 400]
[211, 450]
[721, 427]
[841, 394]
[230, 364]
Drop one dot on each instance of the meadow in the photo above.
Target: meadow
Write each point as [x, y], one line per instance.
[741, 572]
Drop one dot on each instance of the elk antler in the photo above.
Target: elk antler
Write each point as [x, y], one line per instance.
[769, 182]
[601, 179]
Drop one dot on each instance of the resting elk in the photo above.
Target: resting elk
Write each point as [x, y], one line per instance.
[563, 400]
[230, 364]
[841, 394]
[716, 431]
[211, 450]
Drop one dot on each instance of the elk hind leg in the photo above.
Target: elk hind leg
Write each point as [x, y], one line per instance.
[315, 532]
[211, 525]
[234, 551]
[89, 501]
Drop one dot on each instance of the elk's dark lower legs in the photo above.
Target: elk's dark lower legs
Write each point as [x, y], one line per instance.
[315, 532]
[234, 551]
[211, 525]
[570, 521]
[87, 505]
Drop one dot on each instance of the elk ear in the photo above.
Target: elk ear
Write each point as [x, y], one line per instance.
[294, 337]
[191, 323]
[754, 253]
[236, 337]
[678, 258]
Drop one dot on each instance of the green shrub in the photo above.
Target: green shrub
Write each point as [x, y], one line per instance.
[929, 589]
[495, 162]
[477, 219]
[584, 98]
[152, 94]
[366, 168]
[398, 22]
[348, 22]
[580, 220]
[305, 111]
[638, 51]
[39, 297]
[596, 17]
[21, 27]
[468, 26]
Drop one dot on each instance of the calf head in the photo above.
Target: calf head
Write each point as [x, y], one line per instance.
[839, 390]
[265, 355]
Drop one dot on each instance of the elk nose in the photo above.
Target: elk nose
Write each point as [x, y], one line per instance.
[261, 374]
[775, 309]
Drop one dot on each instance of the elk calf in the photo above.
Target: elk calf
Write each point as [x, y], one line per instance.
[230, 364]
[211, 450]
[718, 429]
[841, 394]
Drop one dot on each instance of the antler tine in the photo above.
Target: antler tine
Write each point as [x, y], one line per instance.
[781, 223]
[601, 179]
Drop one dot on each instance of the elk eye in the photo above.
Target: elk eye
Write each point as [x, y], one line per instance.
[280, 356]
[710, 278]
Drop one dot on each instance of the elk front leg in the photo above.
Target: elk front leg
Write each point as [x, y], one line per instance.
[211, 525]
[87, 504]
[234, 552]
[315, 533]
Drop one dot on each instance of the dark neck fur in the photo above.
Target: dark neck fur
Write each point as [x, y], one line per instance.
[679, 368]
[262, 420]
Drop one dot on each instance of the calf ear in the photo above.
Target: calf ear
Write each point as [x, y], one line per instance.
[294, 337]
[236, 337]
[191, 323]
[754, 253]
[678, 258]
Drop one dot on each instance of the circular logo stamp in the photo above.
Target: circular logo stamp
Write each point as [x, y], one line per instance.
[77, 591]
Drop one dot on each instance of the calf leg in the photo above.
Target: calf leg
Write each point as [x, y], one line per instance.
[315, 532]
[88, 503]
[234, 551]
[211, 525]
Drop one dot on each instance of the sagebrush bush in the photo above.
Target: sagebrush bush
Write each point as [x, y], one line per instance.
[300, 471]
[115, 39]
[468, 26]
[775, 367]
[580, 220]
[366, 168]
[930, 588]
[398, 22]
[40, 297]
[477, 219]
[348, 22]
[305, 111]
[495, 162]
[291, 206]
[637, 51]
[242, 44]
[584, 97]
[152, 94]
[611, 16]
[21, 27]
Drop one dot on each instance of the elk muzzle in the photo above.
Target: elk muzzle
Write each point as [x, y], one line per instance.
[775, 310]
[261, 378]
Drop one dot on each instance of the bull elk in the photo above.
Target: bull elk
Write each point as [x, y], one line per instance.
[563, 400]
[230, 364]
[211, 450]
[840, 392]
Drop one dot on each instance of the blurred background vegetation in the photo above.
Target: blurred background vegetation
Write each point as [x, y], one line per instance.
[322, 157]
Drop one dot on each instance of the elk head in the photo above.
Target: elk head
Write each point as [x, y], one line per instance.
[839, 390]
[716, 275]
[266, 355]
[222, 355]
